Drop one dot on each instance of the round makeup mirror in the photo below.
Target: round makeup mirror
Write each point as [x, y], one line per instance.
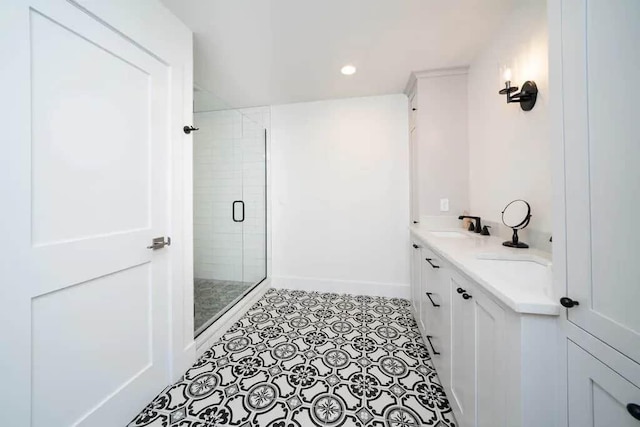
[516, 215]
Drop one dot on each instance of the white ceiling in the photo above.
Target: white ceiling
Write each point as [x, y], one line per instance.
[262, 52]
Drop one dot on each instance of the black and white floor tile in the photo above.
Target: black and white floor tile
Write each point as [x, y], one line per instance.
[300, 359]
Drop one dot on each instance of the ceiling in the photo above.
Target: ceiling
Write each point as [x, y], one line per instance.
[264, 52]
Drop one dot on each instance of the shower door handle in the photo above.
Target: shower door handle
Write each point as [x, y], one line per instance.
[233, 211]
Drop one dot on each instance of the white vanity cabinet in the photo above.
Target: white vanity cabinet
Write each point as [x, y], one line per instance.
[597, 153]
[492, 362]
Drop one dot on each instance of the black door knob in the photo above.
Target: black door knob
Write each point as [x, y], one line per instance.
[415, 246]
[466, 296]
[568, 302]
[460, 290]
[634, 410]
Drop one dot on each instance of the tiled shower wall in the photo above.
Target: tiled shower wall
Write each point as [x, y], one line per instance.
[229, 164]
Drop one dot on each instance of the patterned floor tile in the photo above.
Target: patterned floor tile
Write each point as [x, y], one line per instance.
[300, 359]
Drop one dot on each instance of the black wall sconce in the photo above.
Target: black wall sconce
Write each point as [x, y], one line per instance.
[526, 97]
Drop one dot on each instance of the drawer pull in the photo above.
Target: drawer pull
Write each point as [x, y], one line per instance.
[460, 291]
[415, 246]
[430, 299]
[432, 264]
[435, 353]
[466, 296]
[634, 410]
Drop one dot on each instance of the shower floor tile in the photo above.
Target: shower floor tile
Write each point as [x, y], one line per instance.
[300, 359]
[210, 297]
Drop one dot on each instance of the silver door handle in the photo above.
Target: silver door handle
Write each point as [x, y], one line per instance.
[159, 243]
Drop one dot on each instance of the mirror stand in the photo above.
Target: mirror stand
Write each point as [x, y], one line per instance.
[515, 242]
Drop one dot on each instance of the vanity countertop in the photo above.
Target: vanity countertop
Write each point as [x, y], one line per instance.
[520, 278]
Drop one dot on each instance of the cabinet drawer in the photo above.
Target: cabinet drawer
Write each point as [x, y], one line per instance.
[598, 396]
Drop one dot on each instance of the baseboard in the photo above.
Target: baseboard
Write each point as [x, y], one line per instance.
[213, 333]
[391, 290]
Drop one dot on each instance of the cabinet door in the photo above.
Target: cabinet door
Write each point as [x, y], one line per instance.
[463, 358]
[598, 396]
[601, 60]
[490, 352]
[414, 193]
[416, 285]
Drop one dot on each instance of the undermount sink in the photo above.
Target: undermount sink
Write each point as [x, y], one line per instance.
[533, 269]
[450, 234]
[524, 257]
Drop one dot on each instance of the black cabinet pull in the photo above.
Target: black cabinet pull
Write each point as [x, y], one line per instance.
[460, 291]
[415, 246]
[432, 264]
[435, 353]
[568, 302]
[634, 410]
[466, 296]
[429, 296]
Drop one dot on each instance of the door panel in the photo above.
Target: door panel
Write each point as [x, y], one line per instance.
[602, 196]
[489, 343]
[90, 119]
[598, 396]
[90, 189]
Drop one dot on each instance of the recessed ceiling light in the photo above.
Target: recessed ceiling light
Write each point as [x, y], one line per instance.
[348, 70]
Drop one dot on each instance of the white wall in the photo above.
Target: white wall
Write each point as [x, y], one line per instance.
[509, 149]
[340, 195]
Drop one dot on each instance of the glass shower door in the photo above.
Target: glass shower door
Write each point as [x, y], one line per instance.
[229, 208]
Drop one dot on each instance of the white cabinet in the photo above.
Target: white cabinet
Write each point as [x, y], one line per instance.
[463, 363]
[493, 363]
[437, 311]
[477, 333]
[598, 396]
[597, 179]
[602, 151]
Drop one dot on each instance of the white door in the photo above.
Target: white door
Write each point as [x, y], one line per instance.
[598, 396]
[85, 188]
[601, 65]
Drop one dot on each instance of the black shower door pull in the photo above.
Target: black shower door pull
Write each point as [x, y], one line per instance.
[233, 211]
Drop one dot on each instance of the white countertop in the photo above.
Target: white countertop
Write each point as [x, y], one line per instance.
[520, 278]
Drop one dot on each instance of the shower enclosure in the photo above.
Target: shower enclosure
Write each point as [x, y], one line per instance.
[229, 197]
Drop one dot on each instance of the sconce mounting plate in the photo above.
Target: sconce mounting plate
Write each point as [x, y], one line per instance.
[528, 95]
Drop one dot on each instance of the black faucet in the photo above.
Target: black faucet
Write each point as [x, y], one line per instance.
[478, 226]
